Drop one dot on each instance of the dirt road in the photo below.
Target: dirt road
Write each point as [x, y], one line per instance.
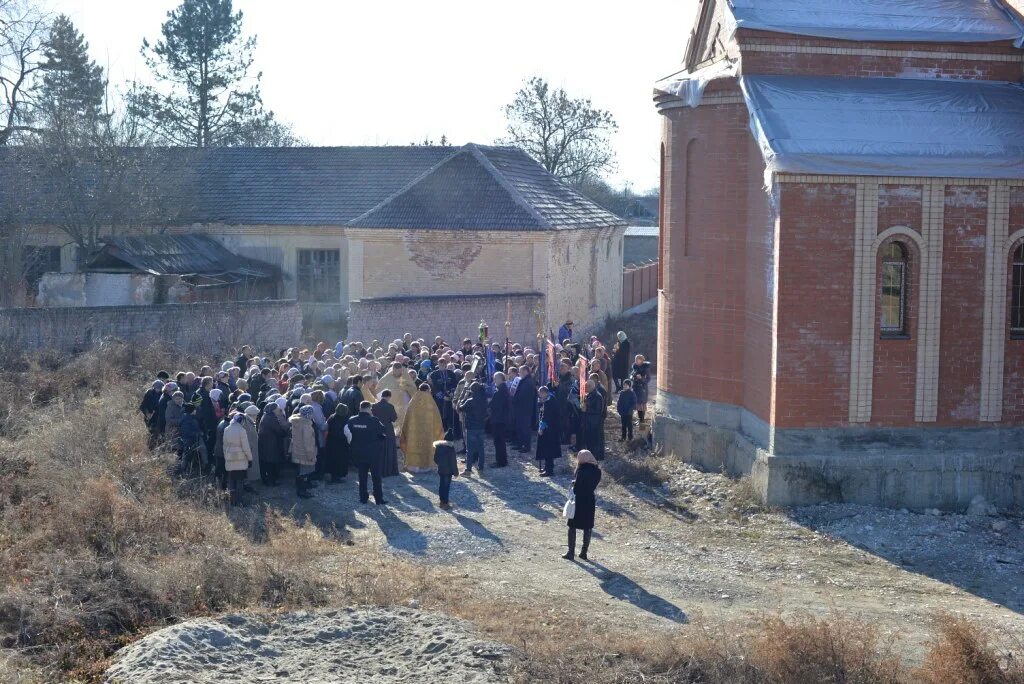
[665, 554]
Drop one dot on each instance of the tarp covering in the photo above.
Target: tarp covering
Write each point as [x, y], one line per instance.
[887, 126]
[690, 88]
[947, 21]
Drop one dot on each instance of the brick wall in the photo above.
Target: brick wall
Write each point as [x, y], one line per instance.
[451, 317]
[639, 284]
[718, 240]
[200, 327]
[766, 53]
[814, 299]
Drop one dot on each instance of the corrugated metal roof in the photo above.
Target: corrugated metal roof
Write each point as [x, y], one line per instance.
[193, 254]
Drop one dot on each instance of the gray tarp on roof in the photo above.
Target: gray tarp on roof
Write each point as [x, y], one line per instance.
[946, 21]
[888, 126]
[192, 254]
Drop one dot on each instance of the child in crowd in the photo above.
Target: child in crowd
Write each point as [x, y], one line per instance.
[625, 406]
[447, 468]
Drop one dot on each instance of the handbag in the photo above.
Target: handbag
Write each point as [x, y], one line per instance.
[569, 510]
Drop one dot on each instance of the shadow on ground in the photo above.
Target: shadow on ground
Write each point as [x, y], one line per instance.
[623, 588]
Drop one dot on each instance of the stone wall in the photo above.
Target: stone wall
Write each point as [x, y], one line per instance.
[198, 327]
[452, 317]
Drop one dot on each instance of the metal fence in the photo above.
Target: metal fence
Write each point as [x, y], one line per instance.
[639, 284]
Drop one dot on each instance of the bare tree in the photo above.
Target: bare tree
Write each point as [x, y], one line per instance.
[23, 29]
[568, 136]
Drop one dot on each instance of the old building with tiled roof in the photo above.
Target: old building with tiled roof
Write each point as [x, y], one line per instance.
[386, 237]
[841, 311]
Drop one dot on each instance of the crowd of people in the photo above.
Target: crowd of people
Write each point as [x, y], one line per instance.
[409, 404]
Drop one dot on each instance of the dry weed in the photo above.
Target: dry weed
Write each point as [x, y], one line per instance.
[962, 653]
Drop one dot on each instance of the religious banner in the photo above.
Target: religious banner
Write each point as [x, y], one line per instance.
[583, 379]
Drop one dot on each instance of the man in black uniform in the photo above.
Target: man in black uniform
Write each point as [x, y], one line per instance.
[365, 435]
[499, 408]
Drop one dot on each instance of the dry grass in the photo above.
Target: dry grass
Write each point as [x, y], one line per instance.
[962, 653]
[99, 545]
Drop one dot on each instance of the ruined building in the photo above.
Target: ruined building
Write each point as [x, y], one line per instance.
[842, 292]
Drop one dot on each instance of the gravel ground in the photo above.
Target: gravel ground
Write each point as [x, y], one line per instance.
[694, 545]
[369, 645]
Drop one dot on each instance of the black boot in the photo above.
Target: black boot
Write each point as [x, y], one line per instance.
[570, 555]
[302, 487]
[640, 414]
[586, 545]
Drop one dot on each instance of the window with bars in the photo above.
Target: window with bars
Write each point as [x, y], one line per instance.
[318, 276]
[894, 289]
[1017, 292]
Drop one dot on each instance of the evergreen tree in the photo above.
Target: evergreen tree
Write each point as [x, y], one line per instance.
[72, 89]
[206, 95]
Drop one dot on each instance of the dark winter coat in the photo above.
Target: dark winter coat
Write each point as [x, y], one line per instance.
[626, 403]
[161, 413]
[337, 449]
[352, 397]
[367, 445]
[387, 414]
[549, 436]
[150, 402]
[191, 435]
[588, 476]
[271, 440]
[474, 408]
[593, 424]
[620, 361]
[500, 405]
[444, 457]
[205, 412]
[641, 375]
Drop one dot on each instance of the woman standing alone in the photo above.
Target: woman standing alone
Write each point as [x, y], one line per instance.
[588, 475]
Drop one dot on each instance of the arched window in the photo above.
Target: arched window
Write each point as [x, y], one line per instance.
[1017, 292]
[894, 289]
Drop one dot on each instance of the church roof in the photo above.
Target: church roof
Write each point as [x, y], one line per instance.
[888, 127]
[487, 188]
[938, 21]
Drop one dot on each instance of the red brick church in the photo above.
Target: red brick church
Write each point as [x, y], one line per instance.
[842, 245]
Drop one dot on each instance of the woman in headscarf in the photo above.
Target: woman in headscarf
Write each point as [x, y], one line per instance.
[304, 448]
[421, 427]
[250, 412]
[270, 444]
[336, 451]
[620, 360]
[641, 373]
[172, 419]
[549, 443]
[148, 407]
[584, 484]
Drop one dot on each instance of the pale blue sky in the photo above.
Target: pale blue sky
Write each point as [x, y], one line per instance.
[363, 73]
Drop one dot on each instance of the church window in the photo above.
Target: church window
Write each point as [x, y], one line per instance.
[1017, 292]
[894, 289]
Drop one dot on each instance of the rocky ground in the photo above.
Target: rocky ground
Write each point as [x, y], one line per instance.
[673, 544]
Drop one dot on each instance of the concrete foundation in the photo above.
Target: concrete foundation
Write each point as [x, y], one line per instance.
[906, 468]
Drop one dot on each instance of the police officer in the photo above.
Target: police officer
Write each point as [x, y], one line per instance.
[365, 435]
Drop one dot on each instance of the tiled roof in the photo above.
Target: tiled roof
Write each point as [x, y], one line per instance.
[487, 188]
[407, 187]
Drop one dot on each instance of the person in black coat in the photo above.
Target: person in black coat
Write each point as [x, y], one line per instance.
[387, 414]
[549, 443]
[366, 436]
[270, 444]
[353, 395]
[523, 403]
[641, 371]
[206, 414]
[148, 406]
[499, 408]
[337, 450]
[621, 360]
[593, 421]
[584, 485]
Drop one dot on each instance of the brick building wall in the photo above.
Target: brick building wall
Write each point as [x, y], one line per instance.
[200, 327]
[452, 317]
